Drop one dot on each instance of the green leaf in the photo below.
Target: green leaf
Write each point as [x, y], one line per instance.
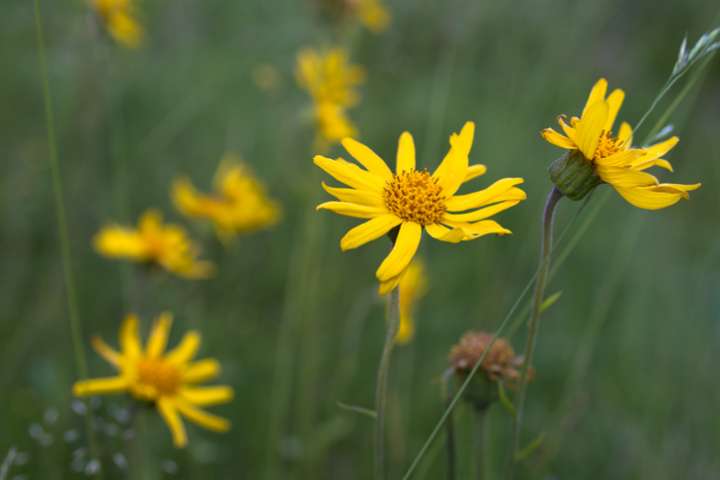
[357, 409]
[527, 451]
[505, 401]
[550, 301]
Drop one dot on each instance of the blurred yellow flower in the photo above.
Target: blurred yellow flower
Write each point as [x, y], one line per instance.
[612, 157]
[167, 379]
[329, 77]
[332, 125]
[412, 286]
[119, 19]
[166, 245]
[238, 205]
[407, 201]
[372, 14]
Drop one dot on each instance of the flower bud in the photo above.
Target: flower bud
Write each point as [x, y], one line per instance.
[574, 175]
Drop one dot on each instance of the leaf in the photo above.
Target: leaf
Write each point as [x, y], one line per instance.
[358, 409]
[532, 446]
[550, 301]
[505, 401]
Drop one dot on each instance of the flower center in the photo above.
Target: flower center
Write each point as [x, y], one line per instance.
[608, 145]
[159, 374]
[415, 197]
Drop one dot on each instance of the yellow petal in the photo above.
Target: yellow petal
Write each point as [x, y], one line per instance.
[106, 351]
[551, 136]
[205, 396]
[406, 244]
[451, 172]
[597, 94]
[367, 158]
[169, 412]
[590, 128]
[100, 386]
[186, 349]
[445, 234]
[201, 371]
[479, 229]
[479, 214]
[352, 209]
[405, 154]
[202, 418]
[478, 199]
[656, 151]
[369, 231]
[129, 338]
[657, 196]
[623, 177]
[116, 241]
[350, 174]
[625, 133]
[351, 195]
[475, 171]
[614, 101]
[387, 286]
[157, 341]
[623, 158]
[406, 329]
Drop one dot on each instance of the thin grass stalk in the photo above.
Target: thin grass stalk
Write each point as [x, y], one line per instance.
[449, 428]
[533, 324]
[70, 293]
[393, 321]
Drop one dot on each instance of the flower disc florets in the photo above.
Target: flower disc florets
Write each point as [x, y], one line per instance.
[415, 196]
[160, 375]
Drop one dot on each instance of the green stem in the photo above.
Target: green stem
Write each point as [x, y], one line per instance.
[480, 444]
[449, 428]
[393, 320]
[545, 251]
[70, 295]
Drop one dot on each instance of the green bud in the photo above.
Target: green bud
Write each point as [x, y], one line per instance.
[574, 175]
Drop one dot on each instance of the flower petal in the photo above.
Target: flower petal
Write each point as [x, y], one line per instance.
[349, 173]
[369, 231]
[100, 386]
[656, 151]
[205, 396]
[405, 154]
[445, 234]
[624, 177]
[614, 101]
[202, 418]
[201, 371]
[367, 158]
[657, 196]
[406, 244]
[105, 351]
[479, 214]
[597, 94]
[551, 136]
[352, 209]
[157, 341]
[129, 338]
[479, 229]
[186, 349]
[459, 203]
[388, 285]
[475, 171]
[590, 128]
[451, 172]
[351, 195]
[167, 410]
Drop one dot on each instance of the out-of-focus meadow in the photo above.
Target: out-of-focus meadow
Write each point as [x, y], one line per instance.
[626, 383]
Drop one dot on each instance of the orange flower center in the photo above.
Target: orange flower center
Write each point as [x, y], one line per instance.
[608, 145]
[159, 374]
[415, 197]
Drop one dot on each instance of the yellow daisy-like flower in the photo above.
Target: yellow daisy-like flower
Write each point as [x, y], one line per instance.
[119, 19]
[167, 379]
[329, 77]
[332, 125]
[612, 157]
[372, 14]
[407, 201]
[239, 204]
[153, 242]
[412, 286]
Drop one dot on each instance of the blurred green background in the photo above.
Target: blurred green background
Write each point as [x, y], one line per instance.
[626, 383]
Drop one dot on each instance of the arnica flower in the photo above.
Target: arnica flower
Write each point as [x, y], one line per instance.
[168, 380]
[120, 22]
[155, 243]
[598, 155]
[412, 287]
[329, 77]
[238, 205]
[332, 125]
[500, 365]
[407, 201]
[372, 14]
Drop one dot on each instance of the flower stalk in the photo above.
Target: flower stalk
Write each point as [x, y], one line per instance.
[539, 293]
[393, 321]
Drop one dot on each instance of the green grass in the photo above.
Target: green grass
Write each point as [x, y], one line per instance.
[626, 385]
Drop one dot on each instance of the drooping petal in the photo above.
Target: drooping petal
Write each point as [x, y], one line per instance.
[105, 351]
[406, 244]
[459, 203]
[590, 128]
[205, 396]
[479, 214]
[475, 171]
[597, 94]
[157, 341]
[388, 285]
[614, 101]
[369, 231]
[129, 338]
[201, 371]
[100, 386]
[202, 418]
[405, 154]
[551, 136]
[445, 234]
[169, 412]
[657, 196]
[352, 195]
[352, 209]
[367, 158]
[350, 174]
[186, 349]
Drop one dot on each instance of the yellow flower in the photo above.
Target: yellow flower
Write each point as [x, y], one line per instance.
[412, 286]
[168, 380]
[613, 158]
[373, 14]
[332, 125]
[166, 245]
[329, 77]
[120, 21]
[409, 200]
[238, 205]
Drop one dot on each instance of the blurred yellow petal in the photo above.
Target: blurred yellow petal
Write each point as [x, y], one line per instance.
[169, 413]
[129, 338]
[117, 241]
[186, 349]
[106, 351]
[205, 396]
[100, 386]
[202, 370]
[200, 417]
[157, 341]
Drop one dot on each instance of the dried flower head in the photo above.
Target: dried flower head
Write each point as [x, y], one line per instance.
[500, 363]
